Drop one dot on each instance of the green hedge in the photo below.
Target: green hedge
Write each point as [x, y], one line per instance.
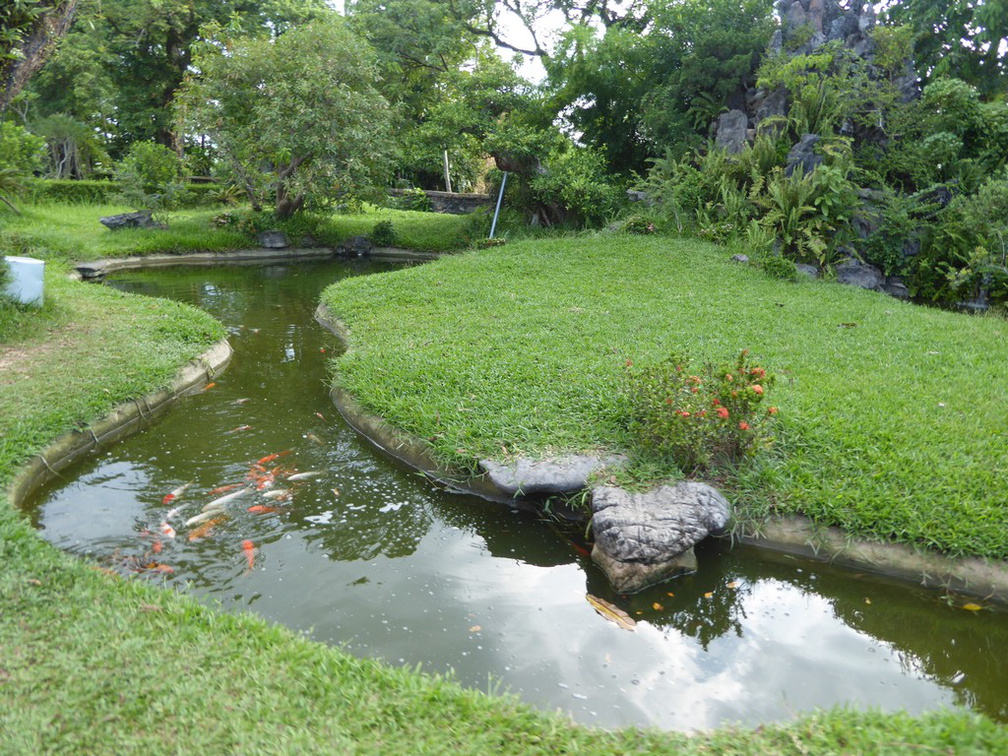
[87, 192]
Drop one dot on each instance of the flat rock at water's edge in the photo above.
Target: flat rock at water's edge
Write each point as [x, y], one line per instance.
[551, 476]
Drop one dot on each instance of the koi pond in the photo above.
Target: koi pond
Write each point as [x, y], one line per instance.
[375, 559]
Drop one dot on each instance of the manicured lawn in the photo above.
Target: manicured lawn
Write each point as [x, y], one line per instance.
[96, 664]
[73, 233]
[892, 416]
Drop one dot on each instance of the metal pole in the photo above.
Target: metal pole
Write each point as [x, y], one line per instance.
[447, 175]
[500, 196]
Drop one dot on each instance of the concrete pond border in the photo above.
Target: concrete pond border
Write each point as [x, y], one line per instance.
[790, 535]
[124, 420]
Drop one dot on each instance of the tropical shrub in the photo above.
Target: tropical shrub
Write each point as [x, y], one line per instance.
[703, 419]
[150, 178]
[383, 234]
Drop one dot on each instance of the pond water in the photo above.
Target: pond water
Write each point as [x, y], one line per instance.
[373, 558]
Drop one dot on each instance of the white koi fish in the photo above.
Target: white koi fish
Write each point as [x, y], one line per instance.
[175, 494]
[218, 504]
[305, 475]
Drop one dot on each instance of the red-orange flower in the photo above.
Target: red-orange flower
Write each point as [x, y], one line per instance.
[722, 413]
[772, 411]
[757, 388]
[758, 372]
[743, 426]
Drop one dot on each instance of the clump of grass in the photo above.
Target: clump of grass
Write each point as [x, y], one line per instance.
[891, 415]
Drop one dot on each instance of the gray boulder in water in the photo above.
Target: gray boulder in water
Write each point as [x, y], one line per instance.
[642, 537]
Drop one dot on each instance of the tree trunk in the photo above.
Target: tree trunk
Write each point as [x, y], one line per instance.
[40, 40]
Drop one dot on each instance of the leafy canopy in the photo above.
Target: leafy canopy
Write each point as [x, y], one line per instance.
[299, 119]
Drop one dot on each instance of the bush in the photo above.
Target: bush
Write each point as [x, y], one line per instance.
[780, 267]
[19, 150]
[413, 199]
[92, 192]
[700, 420]
[149, 178]
[383, 234]
[637, 224]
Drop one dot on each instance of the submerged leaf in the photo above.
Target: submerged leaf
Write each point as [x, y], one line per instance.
[611, 612]
[971, 607]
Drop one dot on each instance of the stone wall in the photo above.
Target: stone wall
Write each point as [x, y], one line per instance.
[452, 203]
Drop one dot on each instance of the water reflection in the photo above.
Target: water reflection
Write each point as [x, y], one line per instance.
[374, 558]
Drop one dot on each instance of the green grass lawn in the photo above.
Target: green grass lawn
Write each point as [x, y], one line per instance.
[97, 664]
[892, 416]
[73, 233]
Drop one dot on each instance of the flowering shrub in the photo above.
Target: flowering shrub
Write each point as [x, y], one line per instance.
[700, 419]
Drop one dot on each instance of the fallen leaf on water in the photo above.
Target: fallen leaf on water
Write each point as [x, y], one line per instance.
[611, 612]
[475, 629]
[709, 594]
[670, 594]
[657, 607]
[971, 607]
[868, 601]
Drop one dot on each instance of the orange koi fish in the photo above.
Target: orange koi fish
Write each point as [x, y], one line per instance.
[249, 548]
[209, 386]
[222, 489]
[262, 509]
[166, 530]
[204, 530]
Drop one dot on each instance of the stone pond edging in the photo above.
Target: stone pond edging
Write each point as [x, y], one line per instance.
[124, 420]
[97, 269]
[793, 535]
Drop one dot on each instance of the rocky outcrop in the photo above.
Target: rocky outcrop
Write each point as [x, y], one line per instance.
[640, 538]
[803, 157]
[732, 131]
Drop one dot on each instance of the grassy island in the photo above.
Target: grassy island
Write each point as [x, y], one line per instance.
[97, 664]
[891, 415]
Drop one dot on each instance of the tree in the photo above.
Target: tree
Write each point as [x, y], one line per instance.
[29, 32]
[656, 80]
[298, 118]
[965, 39]
[449, 86]
[123, 61]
